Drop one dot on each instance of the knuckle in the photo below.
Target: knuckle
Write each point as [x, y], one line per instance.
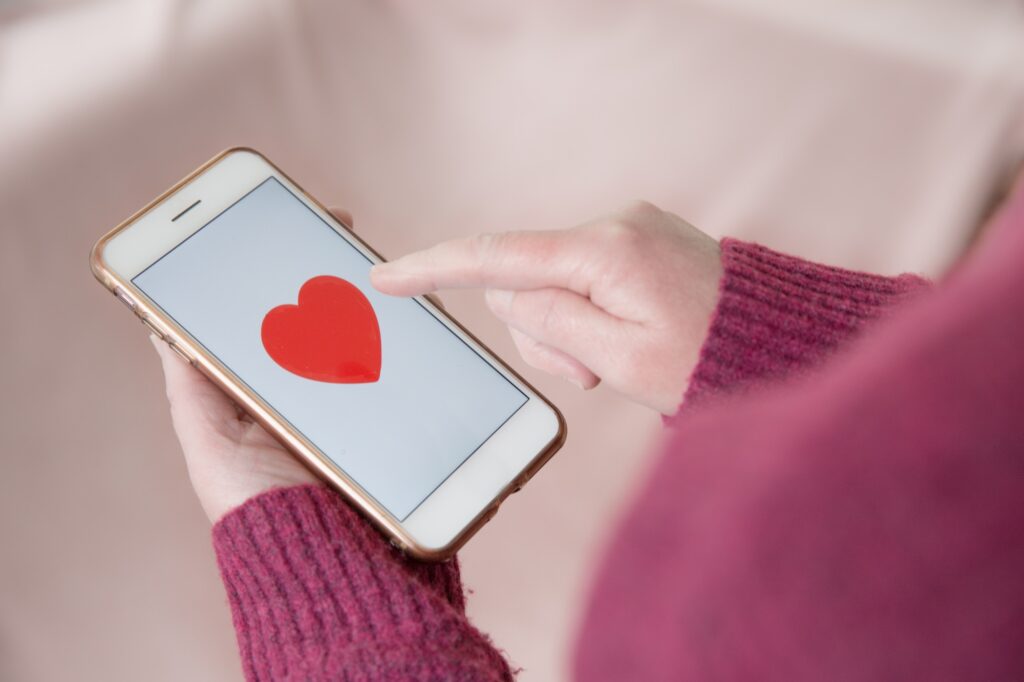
[483, 247]
[528, 348]
[628, 227]
[547, 312]
[541, 311]
[617, 229]
[491, 250]
[531, 351]
[639, 210]
[620, 234]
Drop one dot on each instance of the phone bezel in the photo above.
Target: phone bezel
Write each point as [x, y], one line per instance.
[466, 500]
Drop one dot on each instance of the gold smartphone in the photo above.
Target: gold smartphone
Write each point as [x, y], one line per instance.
[389, 400]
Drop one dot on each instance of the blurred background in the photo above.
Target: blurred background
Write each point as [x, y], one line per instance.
[866, 133]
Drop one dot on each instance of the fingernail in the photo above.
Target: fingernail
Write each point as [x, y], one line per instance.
[577, 383]
[383, 271]
[499, 300]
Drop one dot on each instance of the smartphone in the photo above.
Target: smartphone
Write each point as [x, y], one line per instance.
[389, 400]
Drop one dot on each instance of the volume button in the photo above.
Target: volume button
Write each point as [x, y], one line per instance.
[181, 353]
[523, 480]
[152, 327]
[120, 294]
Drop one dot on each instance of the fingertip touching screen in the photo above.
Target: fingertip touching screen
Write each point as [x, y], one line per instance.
[383, 388]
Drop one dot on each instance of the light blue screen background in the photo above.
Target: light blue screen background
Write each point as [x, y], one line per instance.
[436, 400]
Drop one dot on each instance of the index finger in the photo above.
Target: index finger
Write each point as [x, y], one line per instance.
[510, 260]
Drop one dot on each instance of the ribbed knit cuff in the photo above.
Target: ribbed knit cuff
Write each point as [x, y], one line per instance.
[315, 591]
[778, 315]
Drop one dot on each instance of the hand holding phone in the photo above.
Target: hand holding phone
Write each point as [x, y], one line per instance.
[388, 400]
[230, 457]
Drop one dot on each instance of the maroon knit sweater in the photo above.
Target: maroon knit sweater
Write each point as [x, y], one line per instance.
[853, 515]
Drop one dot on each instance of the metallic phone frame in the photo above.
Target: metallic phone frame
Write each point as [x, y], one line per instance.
[168, 330]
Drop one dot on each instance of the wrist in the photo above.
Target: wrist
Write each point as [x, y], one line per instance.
[776, 315]
[234, 491]
[701, 299]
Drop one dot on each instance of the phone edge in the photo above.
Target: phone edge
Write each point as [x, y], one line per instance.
[401, 540]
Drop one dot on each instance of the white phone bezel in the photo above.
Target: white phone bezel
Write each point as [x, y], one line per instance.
[485, 477]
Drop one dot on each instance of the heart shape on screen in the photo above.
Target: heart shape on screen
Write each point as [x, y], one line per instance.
[332, 334]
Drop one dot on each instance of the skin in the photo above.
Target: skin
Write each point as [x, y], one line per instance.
[625, 299]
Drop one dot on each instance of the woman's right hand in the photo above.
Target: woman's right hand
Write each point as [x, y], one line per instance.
[626, 299]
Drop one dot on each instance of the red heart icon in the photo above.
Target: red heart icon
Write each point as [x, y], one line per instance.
[332, 335]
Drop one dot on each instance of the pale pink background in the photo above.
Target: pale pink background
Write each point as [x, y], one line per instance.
[863, 134]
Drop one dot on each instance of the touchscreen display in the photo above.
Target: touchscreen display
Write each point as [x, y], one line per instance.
[377, 383]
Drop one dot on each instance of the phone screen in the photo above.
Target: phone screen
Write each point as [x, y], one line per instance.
[377, 383]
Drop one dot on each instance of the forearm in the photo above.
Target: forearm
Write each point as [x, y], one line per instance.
[316, 593]
[860, 526]
[778, 315]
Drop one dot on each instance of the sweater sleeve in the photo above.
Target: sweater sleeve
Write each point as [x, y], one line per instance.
[778, 315]
[317, 593]
[864, 525]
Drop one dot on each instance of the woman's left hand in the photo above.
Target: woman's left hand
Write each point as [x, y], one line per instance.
[230, 457]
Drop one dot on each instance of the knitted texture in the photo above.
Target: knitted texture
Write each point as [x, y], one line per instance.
[316, 593]
[778, 315]
[860, 526]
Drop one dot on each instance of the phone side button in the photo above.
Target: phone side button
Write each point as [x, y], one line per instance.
[487, 516]
[520, 483]
[181, 353]
[152, 327]
[123, 297]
